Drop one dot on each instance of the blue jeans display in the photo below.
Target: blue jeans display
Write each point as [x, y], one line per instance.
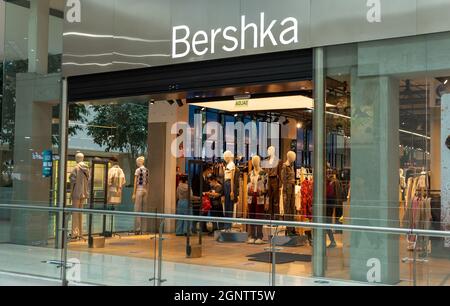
[182, 226]
[229, 204]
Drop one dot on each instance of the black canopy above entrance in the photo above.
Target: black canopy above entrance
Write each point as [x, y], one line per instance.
[232, 72]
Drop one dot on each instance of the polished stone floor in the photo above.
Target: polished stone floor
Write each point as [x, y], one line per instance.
[105, 269]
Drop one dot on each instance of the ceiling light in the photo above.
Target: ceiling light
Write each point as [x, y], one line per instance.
[445, 82]
[235, 115]
[203, 109]
[299, 125]
[152, 101]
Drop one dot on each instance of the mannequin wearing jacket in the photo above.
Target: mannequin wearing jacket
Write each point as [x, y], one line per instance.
[273, 170]
[334, 204]
[256, 190]
[116, 181]
[79, 191]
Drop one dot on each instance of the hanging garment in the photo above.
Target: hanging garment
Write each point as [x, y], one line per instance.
[298, 197]
[307, 198]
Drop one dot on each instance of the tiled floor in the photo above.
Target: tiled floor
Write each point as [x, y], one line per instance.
[105, 269]
[131, 260]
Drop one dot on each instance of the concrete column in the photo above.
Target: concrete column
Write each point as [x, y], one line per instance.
[38, 25]
[445, 167]
[35, 97]
[319, 252]
[157, 172]
[374, 178]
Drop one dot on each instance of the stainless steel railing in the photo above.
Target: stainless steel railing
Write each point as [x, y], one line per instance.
[154, 215]
[162, 217]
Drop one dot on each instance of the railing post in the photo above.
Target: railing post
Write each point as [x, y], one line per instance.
[64, 236]
[160, 252]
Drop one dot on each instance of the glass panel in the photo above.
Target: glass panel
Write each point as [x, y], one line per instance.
[29, 143]
[386, 110]
[114, 258]
[220, 258]
[29, 257]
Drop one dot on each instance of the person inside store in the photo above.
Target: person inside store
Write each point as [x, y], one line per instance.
[288, 183]
[184, 227]
[203, 184]
[334, 204]
[177, 177]
[215, 195]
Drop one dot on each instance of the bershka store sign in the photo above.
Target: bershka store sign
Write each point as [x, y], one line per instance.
[114, 35]
[203, 42]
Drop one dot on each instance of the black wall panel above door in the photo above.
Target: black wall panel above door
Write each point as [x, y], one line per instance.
[231, 72]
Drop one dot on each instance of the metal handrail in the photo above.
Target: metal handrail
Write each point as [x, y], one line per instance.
[155, 215]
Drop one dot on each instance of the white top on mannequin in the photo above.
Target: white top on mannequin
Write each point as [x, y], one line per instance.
[140, 176]
[228, 157]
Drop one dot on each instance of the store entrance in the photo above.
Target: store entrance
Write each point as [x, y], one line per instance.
[231, 139]
[209, 130]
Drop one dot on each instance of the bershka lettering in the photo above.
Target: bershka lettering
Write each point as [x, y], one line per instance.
[261, 35]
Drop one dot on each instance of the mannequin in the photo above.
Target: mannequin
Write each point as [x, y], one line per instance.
[140, 192]
[116, 181]
[79, 191]
[256, 190]
[273, 172]
[228, 186]
[288, 182]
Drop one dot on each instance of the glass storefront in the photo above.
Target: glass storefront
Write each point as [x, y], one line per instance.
[244, 151]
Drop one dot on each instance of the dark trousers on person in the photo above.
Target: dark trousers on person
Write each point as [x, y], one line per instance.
[274, 198]
[256, 212]
[198, 226]
[217, 211]
[289, 206]
[331, 205]
[229, 204]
